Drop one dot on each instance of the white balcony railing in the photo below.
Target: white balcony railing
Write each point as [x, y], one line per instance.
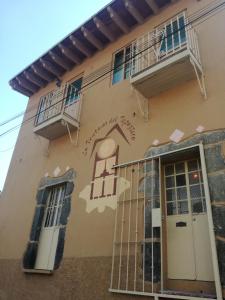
[166, 40]
[56, 103]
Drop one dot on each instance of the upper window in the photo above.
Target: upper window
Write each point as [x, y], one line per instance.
[173, 34]
[122, 64]
[73, 93]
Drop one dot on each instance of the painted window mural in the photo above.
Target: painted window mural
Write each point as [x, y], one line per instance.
[104, 176]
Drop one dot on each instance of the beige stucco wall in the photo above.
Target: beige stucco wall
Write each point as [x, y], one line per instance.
[183, 108]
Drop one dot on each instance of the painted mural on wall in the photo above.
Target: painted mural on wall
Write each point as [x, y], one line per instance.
[106, 185]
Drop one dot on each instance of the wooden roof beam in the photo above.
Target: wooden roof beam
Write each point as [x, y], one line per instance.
[134, 12]
[42, 73]
[91, 38]
[50, 67]
[60, 61]
[20, 89]
[69, 54]
[27, 85]
[104, 29]
[118, 20]
[34, 79]
[153, 5]
[80, 46]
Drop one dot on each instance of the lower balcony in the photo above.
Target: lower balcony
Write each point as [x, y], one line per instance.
[56, 117]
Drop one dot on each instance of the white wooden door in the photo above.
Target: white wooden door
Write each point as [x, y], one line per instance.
[50, 229]
[188, 246]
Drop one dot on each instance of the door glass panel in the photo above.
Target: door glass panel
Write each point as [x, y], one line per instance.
[171, 208]
[182, 207]
[169, 170]
[192, 165]
[180, 168]
[195, 191]
[194, 177]
[170, 181]
[197, 205]
[180, 180]
[170, 195]
[182, 193]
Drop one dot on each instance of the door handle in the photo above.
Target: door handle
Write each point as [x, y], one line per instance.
[181, 224]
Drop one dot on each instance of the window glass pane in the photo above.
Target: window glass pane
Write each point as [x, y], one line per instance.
[127, 62]
[175, 34]
[170, 195]
[182, 207]
[180, 180]
[194, 177]
[169, 170]
[195, 191]
[118, 67]
[169, 39]
[192, 165]
[197, 206]
[162, 42]
[179, 168]
[182, 193]
[182, 29]
[171, 208]
[73, 93]
[170, 181]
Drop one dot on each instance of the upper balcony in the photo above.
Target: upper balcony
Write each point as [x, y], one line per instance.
[58, 112]
[166, 57]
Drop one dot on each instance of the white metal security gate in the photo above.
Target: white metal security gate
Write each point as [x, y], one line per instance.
[50, 229]
[138, 257]
[131, 240]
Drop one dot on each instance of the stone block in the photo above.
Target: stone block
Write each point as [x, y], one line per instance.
[219, 220]
[69, 188]
[42, 196]
[221, 260]
[217, 187]
[214, 159]
[60, 248]
[30, 255]
[65, 211]
[37, 223]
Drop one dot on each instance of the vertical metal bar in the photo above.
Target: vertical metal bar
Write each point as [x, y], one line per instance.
[172, 34]
[57, 208]
[211, 228]
[129, 227]
[136, 229]
[115, 226]
[161, 231]
[121, 235]
[201, 190]
[46, 209]
[145, 171]
[178, 29]
[152, 231]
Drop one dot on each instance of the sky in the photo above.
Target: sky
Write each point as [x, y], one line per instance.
[29, 28]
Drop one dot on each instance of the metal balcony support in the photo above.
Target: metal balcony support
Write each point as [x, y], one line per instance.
[201, 80]
[142, 103]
